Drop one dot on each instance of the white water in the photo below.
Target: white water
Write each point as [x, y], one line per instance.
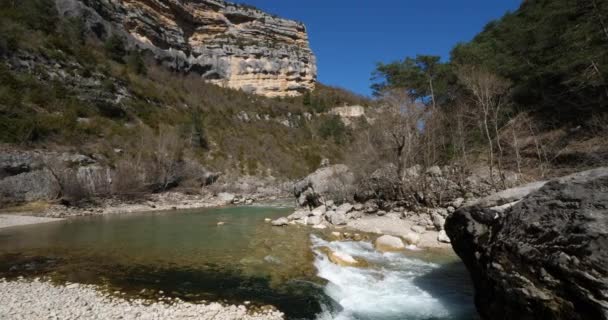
[390, 289]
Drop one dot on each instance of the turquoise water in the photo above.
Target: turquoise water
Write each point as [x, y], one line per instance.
[233, 255]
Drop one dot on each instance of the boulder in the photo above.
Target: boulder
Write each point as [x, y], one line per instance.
[442, 236]
[354, 215]
[418, 229]
[299, 214]
[342, 259]
[328, 183]
[319, 211]
[358, 207]
[388, 243]
[280, 222]
[371, 207]
[314, 220]
[411, 238]
[457, 203]
[544, 257]
[226, 198]
[345, 208]
[337, 218]
[438, 221]
[30, 186]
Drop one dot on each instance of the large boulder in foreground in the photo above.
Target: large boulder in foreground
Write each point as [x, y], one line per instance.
[544, 256]
[327, 183]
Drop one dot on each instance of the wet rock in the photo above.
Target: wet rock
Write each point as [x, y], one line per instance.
[388, 243]
[343, 259]
[280, 222]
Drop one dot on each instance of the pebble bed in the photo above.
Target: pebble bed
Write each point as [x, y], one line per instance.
[37, 299]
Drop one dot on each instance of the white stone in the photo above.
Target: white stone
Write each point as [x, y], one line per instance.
[319, 211]
[388, 243]
[443, 237]
[411, 238]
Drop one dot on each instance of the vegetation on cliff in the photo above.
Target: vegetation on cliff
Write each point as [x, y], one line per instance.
[62, 87]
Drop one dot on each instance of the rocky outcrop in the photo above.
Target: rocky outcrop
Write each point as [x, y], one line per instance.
[538, 252]
[227, 44]
[331, 183]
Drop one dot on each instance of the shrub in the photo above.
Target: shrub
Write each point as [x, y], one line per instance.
[333, 127]
[115, 48]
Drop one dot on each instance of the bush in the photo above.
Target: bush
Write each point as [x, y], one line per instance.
[333, 127]
[115, 48]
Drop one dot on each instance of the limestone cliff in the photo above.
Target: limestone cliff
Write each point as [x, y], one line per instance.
[231, 45]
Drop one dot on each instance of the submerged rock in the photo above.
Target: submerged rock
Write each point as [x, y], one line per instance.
[343, 259]
[543, 257]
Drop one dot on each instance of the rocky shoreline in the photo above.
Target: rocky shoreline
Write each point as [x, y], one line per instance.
[38, 299]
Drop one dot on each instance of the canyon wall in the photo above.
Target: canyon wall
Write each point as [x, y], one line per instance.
[232, 45]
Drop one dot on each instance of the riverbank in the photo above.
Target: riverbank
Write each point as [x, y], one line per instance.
[7, 220]
[165, 201]
[36, 299]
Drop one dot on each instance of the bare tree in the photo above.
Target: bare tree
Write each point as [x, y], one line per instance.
[397, 128]
[488, 92]
[169, 148]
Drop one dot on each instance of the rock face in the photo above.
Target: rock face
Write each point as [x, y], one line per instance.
[544, 256]
[331, 183]
[232, 45]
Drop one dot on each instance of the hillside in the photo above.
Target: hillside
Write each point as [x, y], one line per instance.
[64, 88]
[528, 94]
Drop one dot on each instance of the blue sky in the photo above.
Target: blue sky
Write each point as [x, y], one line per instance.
[350, 36]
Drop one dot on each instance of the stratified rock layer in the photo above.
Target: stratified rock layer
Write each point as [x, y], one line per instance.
[231, 45]
[545, 257]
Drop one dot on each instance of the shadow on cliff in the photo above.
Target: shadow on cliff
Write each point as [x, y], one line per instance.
[452, 286]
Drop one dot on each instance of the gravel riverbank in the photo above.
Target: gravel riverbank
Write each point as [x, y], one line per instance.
[35, 299]
[9, 220]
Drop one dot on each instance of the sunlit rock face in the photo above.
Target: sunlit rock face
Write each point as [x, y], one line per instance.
[231, 45]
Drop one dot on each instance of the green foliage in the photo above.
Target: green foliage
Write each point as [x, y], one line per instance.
[333, 127]
[424, 77]
[115, 48]
[554, 52]
[136, 64]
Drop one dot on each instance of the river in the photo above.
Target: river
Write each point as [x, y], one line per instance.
[232, 255]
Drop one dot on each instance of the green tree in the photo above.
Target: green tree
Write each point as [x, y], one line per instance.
[115, 48]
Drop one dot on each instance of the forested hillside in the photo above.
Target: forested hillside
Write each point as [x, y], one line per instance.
[529, 93]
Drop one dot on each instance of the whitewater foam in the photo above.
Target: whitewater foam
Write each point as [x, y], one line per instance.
[385, 290]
